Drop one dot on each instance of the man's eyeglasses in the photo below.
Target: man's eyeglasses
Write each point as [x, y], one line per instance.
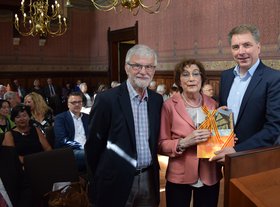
[76, 102]
[138, 67]
[194, 74]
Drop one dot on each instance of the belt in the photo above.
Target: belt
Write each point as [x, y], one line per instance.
[139, 171]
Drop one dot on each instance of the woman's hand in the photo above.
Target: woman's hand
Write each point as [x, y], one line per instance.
[196, 137]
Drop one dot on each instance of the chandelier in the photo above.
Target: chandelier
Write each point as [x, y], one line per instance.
[132, 5]
[40, 18]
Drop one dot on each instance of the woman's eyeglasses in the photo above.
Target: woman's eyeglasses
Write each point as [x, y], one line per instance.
[194, 74]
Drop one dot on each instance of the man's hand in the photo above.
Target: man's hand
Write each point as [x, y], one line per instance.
[220, 155]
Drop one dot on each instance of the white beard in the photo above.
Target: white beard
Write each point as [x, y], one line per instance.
[142, 83]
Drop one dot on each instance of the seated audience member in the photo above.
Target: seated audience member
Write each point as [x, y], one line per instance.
[102, 87]
[52, 96]
[37, 88]
[115, 84]
[2, 91]
[20, 90]
[5, 121]
[26, 138]
[87, 102]
[12, 97]
[161, 89]
[71, 128]
[42, 115]
[153, 85]
[77, 86]
[208, 90]
[66, 90]
[173, 90]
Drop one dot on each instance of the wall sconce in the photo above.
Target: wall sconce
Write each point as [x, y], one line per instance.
[42, 41]
[16, 41]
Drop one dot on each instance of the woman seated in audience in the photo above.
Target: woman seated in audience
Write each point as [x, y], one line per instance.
[26, 138]
[42, 115]
[37, 88]
[87, 102]
[5, 121]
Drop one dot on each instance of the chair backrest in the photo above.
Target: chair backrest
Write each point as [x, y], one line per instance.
[45, 168]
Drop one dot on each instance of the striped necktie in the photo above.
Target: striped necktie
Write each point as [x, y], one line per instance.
[52, 90]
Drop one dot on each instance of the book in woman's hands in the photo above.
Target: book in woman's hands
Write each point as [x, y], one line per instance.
[220, 123]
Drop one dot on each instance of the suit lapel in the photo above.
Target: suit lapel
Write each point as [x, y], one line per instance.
[71, 124]
[227, 85]
[152, 108]
[126, 110]
[256, 78]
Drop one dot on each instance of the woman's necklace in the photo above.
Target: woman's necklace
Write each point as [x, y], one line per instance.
[23, 132]
[189, 104]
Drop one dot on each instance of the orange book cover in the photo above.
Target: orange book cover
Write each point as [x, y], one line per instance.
[220, 122]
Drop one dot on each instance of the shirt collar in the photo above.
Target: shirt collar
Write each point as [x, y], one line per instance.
[251, 71]
[74, 116]
[133, 94]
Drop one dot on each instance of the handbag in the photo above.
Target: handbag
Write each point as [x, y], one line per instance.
[72, 195]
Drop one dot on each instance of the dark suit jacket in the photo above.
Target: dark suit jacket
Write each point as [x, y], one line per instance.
[11, 173]
[64, 129]
[111, 120]
[258, 122]
[47, 91]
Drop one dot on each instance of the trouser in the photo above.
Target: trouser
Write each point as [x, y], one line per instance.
[142, 192]
[179, 195]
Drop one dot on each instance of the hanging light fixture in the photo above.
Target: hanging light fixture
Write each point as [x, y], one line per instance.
[132, 5]
[40, 18]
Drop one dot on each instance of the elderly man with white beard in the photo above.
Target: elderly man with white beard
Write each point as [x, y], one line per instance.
[124, 126]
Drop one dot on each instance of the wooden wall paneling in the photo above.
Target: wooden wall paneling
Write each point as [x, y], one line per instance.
[213, 78]
[164, 77]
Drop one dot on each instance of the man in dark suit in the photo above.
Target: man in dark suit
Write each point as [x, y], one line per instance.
[20, 90]
[53, 97]
[252, 91]
[121, 149]
[71, 128]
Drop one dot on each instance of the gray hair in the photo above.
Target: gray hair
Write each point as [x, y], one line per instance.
[82, 85]
[161, 88]
[114, 84]
[141, 50]
[243, 29]
[10, 95]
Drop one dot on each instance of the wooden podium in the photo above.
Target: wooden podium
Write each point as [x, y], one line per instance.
[252, 178]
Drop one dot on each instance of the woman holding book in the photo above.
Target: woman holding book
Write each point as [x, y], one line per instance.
[186, 174]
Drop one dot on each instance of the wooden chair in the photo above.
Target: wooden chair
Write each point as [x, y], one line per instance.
[45, 168]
